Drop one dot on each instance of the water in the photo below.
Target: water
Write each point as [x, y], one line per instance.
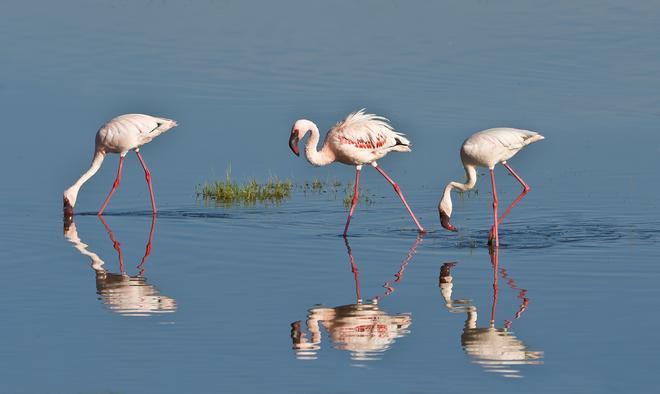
[264, 299]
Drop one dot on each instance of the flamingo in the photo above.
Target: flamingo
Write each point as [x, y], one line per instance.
[362, 328]
[486, 149]
[494, 348]
[120, 135]
[359, 139]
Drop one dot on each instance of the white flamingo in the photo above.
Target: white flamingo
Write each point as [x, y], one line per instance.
[359, 139]
[486, 149]
[120, 135]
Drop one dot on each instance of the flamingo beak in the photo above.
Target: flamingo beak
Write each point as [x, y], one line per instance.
[293, 143]
[68, 209]
[444, 221]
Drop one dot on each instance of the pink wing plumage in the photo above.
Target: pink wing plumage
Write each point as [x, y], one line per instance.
[367, 131]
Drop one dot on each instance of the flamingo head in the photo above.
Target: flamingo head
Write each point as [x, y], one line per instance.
[298, 132]
[444, 210]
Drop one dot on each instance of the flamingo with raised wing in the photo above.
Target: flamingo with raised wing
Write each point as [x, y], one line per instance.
[120, 135]
[486, 149]
[359, 139]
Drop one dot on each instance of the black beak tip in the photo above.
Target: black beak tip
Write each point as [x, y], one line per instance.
[444, 221]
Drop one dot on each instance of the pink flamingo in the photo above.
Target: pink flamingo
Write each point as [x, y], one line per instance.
[486, 149]
[120, 135]
[359, 139]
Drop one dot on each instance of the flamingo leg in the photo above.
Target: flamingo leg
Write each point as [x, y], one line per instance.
[522, 194]
[354, 200]
[114, 186]
[495, 203]
[147, 176]
[115, 244]
[354, 269]
[147, 250]
[494, 259]
[397, 189]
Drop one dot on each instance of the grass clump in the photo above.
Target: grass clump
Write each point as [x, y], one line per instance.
[229, 192]
[363, 195]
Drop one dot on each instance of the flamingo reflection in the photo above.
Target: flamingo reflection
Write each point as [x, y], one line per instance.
[120, 292]
[495, 349]
[362, 328]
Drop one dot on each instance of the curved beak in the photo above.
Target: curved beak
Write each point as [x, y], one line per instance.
[68, 209]
[293, 143]
[444, 221]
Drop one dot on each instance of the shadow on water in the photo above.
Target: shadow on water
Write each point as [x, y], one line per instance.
[127, 295]
[362, 328]
[496, 349]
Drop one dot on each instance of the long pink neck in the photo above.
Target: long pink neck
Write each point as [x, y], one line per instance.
[317, 158]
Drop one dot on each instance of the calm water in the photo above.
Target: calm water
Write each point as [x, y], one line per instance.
[272, 299]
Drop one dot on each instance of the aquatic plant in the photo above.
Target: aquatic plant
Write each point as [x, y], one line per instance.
[363, 195]
[229, 192]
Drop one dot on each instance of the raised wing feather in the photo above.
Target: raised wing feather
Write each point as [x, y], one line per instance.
[367, 131]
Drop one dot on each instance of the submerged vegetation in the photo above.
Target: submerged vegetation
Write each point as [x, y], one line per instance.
[229, 192]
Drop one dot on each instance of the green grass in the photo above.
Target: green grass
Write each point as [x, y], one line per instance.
[251, 192]
[363, 195]
[274, 191]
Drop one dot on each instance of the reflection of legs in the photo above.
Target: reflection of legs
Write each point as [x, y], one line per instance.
[389, 288]
[114, 185]
[514, 203]
[522, 295]
[495, 203]
[494, 259]
[397, 189]
[355, 198]
[147, 175]
[354, 269]
[147, 251]
[115, 244]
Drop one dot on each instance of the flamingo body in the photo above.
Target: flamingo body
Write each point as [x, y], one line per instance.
[364, 138]
[488, 148]
[129, 132]
[359, 139]
[120, 135]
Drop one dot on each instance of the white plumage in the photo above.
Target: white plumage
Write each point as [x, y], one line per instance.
[128, 132]
[120, 135]
[486, 149]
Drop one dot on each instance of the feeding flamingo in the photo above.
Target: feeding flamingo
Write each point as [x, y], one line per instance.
[359, 139]
[486, 149]
[120, 135]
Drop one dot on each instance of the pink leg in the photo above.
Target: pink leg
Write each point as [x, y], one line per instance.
[115, 244]
[495, 202]
[354, 201]
[522, 194]
[147, 250]
[494, 259]
[397, 189]
[147, 175]
[114, 186]
[354, 269]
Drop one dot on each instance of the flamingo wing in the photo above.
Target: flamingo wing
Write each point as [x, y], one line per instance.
[367, 131]
[512, 139]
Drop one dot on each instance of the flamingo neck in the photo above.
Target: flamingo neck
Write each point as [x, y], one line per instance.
[314, 156]
[71, 234]
[471, 175]
[72, 192]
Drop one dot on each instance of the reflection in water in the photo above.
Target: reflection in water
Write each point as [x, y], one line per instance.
[123, 294]
[495, 349]
[362, 328]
